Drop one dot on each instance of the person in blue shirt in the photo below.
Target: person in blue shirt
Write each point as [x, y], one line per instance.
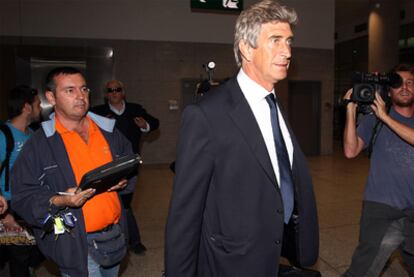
[387, 220]
[23, 109]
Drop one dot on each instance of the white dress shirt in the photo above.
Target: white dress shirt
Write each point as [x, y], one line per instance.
[115, 110]
[255, 95]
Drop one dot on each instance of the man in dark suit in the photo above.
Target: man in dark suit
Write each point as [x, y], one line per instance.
[132, 120]
[230, 214]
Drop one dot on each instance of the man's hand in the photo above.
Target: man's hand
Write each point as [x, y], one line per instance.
[3, 205]
[121, 185]
[73, 198]
[347, 99]
[379, 107]
[10, 224]
[404, 131]
[348, 94]
[141, 122]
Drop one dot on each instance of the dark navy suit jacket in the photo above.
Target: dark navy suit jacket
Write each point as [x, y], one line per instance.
[226, 211]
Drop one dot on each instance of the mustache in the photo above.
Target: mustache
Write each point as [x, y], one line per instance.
[405, 91]
[80, 102]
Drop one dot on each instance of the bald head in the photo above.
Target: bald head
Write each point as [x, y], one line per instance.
[114, 83]
[115, 93]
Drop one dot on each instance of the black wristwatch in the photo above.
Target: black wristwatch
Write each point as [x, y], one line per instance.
[345, 102]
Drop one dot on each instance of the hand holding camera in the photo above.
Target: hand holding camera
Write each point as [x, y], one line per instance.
[379, 107]
[367, 85]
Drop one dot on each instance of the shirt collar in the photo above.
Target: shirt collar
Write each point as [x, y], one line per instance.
[253, 92]
[102, 122]
[115, 110]
[63, 130]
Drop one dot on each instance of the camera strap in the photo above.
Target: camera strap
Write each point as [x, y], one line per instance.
[375, 131]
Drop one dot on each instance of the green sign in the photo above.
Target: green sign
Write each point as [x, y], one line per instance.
[218, 5]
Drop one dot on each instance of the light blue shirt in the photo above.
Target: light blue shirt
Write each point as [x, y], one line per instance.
[20, 139]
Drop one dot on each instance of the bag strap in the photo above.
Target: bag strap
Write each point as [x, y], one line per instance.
[5, 165]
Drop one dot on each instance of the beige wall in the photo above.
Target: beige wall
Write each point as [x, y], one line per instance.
[151, 20]
[158, 43]
[345, 29]
[152, 72]
[317, 65]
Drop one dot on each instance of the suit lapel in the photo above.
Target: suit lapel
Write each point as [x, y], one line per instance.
[243, 118]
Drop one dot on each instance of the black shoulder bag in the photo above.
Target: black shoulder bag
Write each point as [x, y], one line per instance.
[5, 165]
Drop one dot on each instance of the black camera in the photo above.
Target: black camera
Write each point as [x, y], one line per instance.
[366, 84]
[206, 84]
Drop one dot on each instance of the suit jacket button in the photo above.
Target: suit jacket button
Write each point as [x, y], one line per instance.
[277, 242]
[279, 211]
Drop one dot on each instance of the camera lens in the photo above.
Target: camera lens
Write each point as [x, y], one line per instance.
[366, 94]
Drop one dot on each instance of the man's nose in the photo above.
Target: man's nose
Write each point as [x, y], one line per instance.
[285, 50]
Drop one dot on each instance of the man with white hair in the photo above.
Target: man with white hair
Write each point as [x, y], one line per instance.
[242, 194]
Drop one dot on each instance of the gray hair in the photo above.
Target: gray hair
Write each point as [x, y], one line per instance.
[250, 21]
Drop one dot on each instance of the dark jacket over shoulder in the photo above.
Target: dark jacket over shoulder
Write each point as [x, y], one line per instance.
[43, 169]
[125, 122]
[226, 211]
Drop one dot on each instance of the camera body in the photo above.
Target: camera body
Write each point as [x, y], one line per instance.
[366, 84]
[206, 84]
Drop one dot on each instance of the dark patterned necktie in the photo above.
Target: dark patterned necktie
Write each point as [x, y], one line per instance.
[286, 180]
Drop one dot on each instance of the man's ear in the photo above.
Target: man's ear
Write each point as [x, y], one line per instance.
[245, 50]
[50, 96]
[27, 108]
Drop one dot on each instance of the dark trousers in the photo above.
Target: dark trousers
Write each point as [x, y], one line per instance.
[382, 231]
[21, 257]
[134, 237]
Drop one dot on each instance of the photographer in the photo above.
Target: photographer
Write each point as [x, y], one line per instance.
[387, 220]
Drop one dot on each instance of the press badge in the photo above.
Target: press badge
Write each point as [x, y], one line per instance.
[58, 226]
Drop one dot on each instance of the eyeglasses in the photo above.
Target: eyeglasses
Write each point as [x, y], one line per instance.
[112, 90]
